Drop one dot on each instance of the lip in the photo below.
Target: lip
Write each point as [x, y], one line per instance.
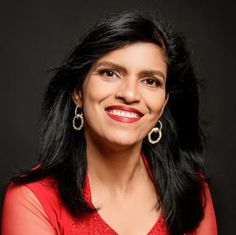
[123, 119]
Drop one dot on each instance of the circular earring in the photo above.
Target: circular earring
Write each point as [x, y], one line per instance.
[78, 116]
[154, 131]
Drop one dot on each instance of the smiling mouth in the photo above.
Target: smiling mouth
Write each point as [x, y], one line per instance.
[123, 114]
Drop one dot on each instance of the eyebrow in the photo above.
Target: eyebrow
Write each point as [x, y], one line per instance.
[112, 65]
[149, 72]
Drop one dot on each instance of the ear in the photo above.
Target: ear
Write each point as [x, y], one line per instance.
[77, 98]
[164, 105]
[167, 98]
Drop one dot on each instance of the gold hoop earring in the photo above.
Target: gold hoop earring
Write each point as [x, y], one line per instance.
[78, 116]
[154, 131]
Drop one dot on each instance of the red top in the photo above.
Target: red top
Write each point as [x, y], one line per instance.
[36, 208]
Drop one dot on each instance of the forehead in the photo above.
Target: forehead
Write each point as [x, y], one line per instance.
[139, 55]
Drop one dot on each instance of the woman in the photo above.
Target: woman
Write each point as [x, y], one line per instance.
[121, 148]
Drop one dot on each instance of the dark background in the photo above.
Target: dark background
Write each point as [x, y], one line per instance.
[35, 36]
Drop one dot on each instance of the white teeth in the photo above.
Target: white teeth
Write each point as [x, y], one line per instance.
[123, 113]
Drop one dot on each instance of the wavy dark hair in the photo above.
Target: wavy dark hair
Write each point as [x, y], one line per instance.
[176, 161]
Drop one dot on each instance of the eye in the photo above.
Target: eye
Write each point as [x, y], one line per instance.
[152, 82]
[108, 73]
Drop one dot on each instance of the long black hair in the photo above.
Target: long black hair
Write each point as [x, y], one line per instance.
[176, 161]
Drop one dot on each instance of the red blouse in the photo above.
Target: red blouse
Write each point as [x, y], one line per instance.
[58, 217]
[36, 208]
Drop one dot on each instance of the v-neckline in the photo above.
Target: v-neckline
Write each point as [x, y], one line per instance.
[160, 223]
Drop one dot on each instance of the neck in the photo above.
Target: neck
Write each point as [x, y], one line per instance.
[115, 167]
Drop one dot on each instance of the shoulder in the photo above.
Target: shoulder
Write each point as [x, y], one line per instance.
[46, 190]
[23, 210]
[47, 193]
[208, 224]
[20, 195]
[41, 199]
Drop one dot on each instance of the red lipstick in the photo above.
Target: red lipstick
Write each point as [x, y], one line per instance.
[123, 113]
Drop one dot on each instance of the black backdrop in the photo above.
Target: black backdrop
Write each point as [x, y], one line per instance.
[35, 35]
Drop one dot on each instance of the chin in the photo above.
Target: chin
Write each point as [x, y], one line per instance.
[124, 141]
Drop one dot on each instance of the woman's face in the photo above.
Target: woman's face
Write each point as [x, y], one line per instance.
[124, 95]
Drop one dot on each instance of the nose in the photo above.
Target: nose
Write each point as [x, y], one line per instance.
[128, 91]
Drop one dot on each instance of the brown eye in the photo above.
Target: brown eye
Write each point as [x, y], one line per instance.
[108, 73]
[151, 82]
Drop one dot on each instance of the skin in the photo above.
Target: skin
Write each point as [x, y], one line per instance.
[119, 182]
[118, 177]
[132, 76]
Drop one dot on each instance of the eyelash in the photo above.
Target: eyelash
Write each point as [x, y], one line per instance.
[154, 81]
[104, 72]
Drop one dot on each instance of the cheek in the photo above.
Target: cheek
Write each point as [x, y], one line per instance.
[95, 90]
[156, 103]
[94, 93]
[91, 93]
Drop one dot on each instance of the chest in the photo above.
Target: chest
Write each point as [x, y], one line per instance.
[133, 216]
[95, 225]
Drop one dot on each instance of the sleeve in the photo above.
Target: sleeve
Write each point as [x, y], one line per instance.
[23, 213]
[208, 224]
